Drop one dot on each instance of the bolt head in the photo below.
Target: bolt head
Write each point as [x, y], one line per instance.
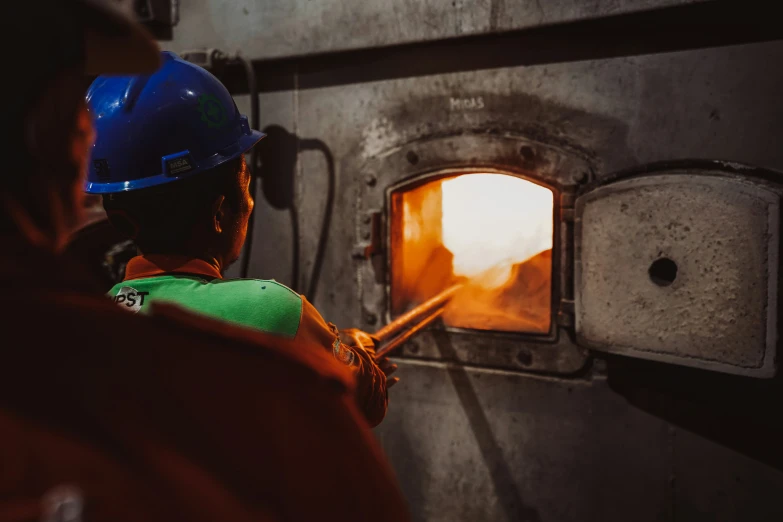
[581, 177]
[524, 357]
[527, 152]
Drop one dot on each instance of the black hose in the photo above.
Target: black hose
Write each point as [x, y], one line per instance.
[252, 89]
[294, 213]
[323, 238]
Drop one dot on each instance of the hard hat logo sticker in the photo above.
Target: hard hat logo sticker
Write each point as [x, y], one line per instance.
[101, 169]
[212, 112]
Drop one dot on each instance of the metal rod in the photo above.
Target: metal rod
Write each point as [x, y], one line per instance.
[411, 317]
[400, 339]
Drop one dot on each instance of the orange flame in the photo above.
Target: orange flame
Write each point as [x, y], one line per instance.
[493, 230]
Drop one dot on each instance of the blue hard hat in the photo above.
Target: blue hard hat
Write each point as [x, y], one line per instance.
[158, 128]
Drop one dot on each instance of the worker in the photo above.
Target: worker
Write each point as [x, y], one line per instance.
[169, 162]
[106, 415]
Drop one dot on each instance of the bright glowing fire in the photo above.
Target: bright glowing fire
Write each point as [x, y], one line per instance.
[492, 222]
[493, 231]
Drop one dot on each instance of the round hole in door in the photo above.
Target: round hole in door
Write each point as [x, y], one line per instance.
[663, 271]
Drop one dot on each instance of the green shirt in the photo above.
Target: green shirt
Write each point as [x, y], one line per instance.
[256, 303]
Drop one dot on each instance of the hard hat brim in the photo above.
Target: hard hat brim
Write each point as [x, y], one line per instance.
[115, 43]
[249, 141]
[242, 146]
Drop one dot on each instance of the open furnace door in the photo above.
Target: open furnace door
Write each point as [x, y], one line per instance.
[678, 263]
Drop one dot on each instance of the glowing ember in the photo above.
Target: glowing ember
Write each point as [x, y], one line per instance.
[493, 230]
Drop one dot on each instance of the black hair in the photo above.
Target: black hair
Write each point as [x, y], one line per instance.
[164, 219]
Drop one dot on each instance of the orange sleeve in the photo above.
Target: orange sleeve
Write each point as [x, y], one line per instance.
[314, 330]
[371, 394]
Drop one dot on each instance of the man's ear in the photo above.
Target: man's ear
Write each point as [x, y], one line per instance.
[219, 214]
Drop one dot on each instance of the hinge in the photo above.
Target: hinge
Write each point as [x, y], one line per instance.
[565, 315]
[370, 231]
[567, 201]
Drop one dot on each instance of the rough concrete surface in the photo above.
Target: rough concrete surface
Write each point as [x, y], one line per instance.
[716, 231]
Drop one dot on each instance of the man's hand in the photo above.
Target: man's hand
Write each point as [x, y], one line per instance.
[388, 368]
[364, 341]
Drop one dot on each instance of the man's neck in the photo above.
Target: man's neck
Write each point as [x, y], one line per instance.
[186, 254]
[153, 265]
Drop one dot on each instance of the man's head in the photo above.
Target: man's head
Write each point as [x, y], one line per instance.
[47, 130]
[168, 161]
[204, 216]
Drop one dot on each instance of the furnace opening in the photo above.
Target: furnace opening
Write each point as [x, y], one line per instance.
[493, 232]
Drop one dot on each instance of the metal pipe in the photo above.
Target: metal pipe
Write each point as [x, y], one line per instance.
[411, 317]
[400, 339]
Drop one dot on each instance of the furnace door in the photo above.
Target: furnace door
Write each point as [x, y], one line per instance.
[679, 264]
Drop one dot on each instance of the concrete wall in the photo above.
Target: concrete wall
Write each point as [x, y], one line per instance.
[472, 443]
[267, 29]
